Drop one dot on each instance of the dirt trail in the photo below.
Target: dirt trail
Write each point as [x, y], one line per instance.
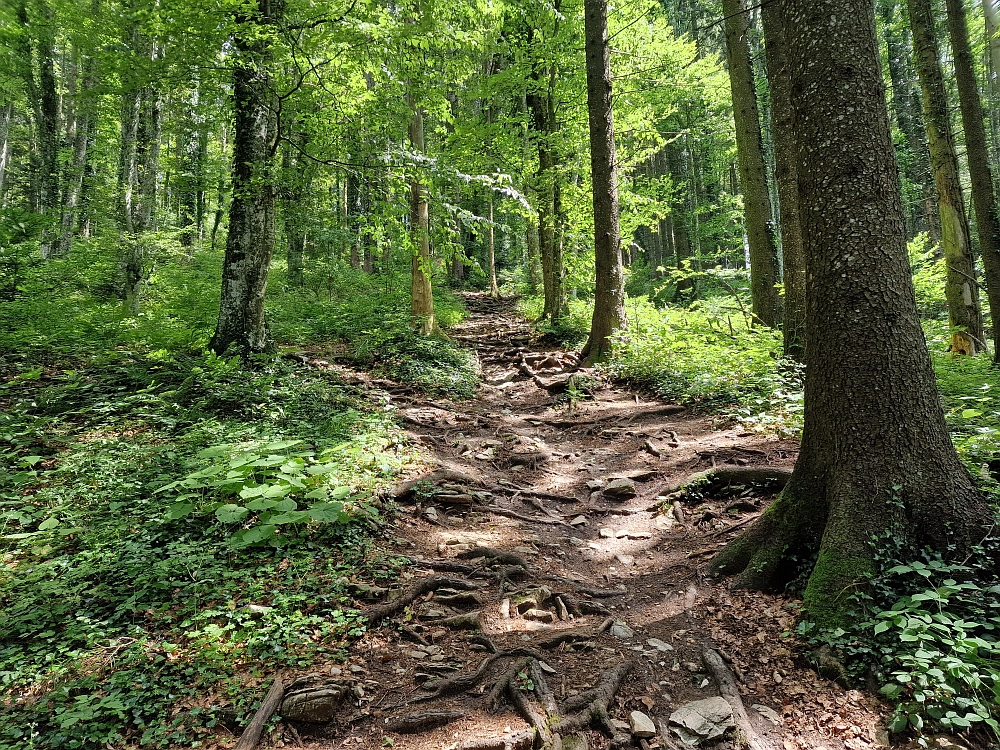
[538, 588]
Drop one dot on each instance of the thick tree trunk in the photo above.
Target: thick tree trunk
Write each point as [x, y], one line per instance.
[251, 214]
[876, 458]
[991, 15]
[983, 195]
[764, 276]
[421, 293]
[794, 276]
[961, 290]
[609, 292]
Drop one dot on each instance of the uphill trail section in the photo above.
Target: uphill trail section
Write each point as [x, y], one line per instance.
[555, 594]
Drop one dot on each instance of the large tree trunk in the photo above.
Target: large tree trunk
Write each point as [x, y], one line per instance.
[794, 326]
[421, 292]
[983, 196]
[251, 213]
[764, 276]
[876, 458]
[961, 290]
[609, 292]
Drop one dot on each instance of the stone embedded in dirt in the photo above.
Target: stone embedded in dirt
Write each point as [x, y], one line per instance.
[703, 720]
[419, 654]
[638, 534]
[526, 550]
[621, 630]
[314, 705]
[664, 523]
[595, 484]
[575, 541]
[503, 377]
[619, 724]
[608, 533]
[431, 513]
[578, 521]
[627, 560]
[532, 599]
[539, 615]
[659, 645]
[641, 725]
[620, 489]
[767, 712]
[621, 533]
[546, 668]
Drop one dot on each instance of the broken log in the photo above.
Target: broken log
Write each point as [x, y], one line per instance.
[272, 701]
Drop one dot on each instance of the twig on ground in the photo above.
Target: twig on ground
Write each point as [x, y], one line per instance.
[272, 702]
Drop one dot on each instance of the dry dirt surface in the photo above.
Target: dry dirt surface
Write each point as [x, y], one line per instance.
[557, 587]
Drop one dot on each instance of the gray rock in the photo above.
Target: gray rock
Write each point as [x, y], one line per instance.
[607, 533]
[595, 484]
[575, 742]
[578, 521]
[767, 712]
[314, 705]
[703, 720]
[659, 645]
[621, 630]
[620, 489]
[627, 560]
[641, 725]
[504, 377]
[539, 615]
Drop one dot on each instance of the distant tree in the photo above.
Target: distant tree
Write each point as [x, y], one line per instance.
[961, 289]
[876, 459]
[609, 294]
[761, 233]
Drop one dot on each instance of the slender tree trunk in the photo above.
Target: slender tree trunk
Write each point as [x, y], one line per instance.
[534, 262]
[869, 379]
[85, 114]
[609, 292]
[961, 290]
[5, 118]
[295, 182]
[252, 213]
[794, 277]
[220, 199]
[491, 247]
[983, 195]
[764, 274]
[421, 293]
[991, 15]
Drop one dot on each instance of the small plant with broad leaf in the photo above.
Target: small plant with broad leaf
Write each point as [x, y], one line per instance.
[263, 489]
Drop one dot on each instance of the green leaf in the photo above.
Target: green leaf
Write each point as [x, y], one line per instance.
[295, 516]
[881, 627]
[970, 413]
[230, 513]
[49, 523]
[179, 510]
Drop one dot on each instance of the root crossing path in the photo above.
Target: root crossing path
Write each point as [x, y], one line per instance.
[556, 596]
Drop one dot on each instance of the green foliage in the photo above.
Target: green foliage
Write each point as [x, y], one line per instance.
[696, 356]
[432, 364]
[928, 268]
[929, 631]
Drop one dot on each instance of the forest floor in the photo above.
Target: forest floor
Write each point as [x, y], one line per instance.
[555, 583]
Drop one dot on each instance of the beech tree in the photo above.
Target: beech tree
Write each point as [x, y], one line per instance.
[876, 459]
[609, 296]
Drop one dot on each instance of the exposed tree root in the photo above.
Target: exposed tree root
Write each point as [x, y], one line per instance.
[749, 738]
[272, 701]
[412, 593]
[776, 476]
[591, 706]
[444, 566]
[522, 740]
[583, 607]
[417, 721]
[499, 688]
[600, 593]
[465, 682]
[520, 516]
[496, 555]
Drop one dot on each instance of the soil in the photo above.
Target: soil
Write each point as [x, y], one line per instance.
[528, 451]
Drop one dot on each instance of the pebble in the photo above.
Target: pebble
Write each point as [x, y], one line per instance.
[659, 645]
[626, 560]
[595, 484]
[621, 630]
[578, 521]
[607, 533]
[419, 654]
[620, 489]
[539, 615]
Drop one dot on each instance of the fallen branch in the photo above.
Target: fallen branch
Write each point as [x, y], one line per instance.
[750, 739]
[414, 592]
[418, 721]
[272, 701]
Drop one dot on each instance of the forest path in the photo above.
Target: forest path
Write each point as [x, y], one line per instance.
[536, 535]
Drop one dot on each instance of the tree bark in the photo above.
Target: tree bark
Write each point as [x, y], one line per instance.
[961, 290]
[491, 251]
[794, 277]
[764, 274]
[609, 292]
[534, 262]
[86, 113]
[869, 380]
[983, 195]
[421, 292]
[5, 118]
[991, 15]
[252, 212]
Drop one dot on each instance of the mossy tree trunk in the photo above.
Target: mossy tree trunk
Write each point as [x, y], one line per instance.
[794, 276]
[421, 293]
[250, 241]
[960, 289]
[876, 457]
[764, 275]
[609, 293]
[983, 195]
